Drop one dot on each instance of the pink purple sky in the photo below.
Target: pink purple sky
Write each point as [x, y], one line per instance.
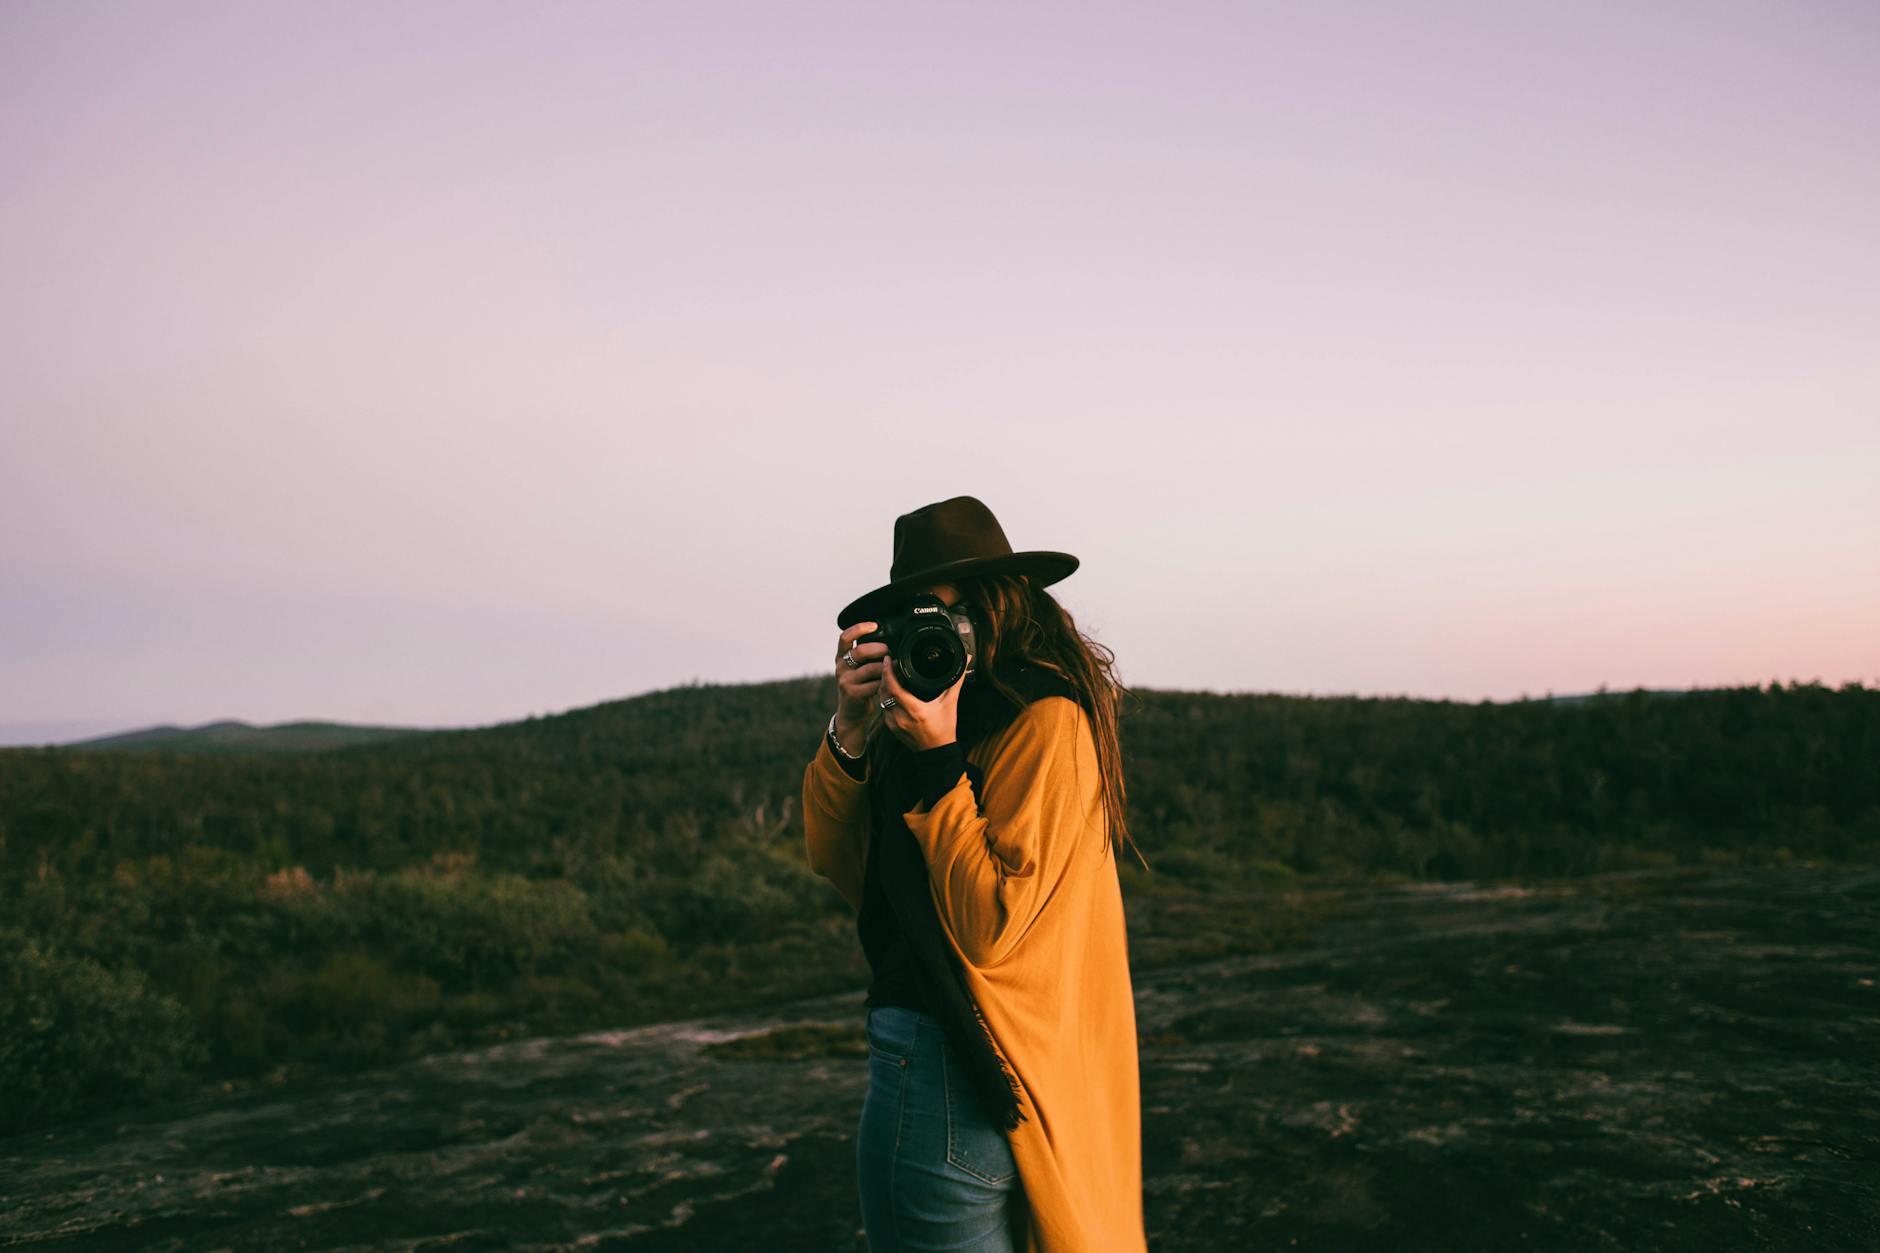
[444, 364]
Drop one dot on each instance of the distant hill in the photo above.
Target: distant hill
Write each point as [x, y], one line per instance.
[233, 736]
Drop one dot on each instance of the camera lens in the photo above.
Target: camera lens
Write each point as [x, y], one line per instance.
[934, 657]
[929, 659]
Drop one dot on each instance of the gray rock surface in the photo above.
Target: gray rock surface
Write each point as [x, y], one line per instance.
[1657, 1062]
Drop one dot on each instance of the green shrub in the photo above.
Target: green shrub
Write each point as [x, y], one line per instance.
[352, 1004]
[1264, 872]
[75, 1035]
[1197, 866]
[634, 949]
[464, 931]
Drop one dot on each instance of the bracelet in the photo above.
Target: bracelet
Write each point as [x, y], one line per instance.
[836, 743]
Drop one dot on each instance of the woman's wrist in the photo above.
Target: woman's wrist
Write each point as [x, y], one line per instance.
[847, 740]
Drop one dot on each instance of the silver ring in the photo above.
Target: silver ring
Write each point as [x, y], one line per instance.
[850, 658]
[883, 704]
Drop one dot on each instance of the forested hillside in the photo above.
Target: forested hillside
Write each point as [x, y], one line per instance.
[168, 918]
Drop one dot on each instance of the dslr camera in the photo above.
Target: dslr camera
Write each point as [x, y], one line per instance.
[929, 645]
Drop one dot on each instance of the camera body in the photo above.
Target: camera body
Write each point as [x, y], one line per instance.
[929, 645]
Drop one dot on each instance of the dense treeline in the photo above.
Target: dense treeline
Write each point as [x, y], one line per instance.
[1344, 784]
[1445, 789]
[171, 917]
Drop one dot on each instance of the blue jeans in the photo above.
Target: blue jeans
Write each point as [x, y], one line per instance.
[935, 1172]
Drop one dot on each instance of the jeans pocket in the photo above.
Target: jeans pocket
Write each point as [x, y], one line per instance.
[974, 1143]
[892, 1031]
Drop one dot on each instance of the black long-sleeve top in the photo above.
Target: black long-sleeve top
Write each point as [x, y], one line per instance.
[890, 963]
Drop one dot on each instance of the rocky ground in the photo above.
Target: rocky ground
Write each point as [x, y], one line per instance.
[1668, 1061]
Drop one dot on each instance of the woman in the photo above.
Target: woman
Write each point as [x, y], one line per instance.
[976, 834]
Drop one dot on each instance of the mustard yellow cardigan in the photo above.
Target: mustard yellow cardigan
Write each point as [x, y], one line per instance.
[1028, 896]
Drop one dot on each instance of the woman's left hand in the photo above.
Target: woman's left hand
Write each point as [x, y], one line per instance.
[920, 724]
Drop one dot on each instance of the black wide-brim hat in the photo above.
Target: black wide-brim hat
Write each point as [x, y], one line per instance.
[951, 539]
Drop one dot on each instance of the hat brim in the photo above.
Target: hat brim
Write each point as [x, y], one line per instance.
[1043, 566]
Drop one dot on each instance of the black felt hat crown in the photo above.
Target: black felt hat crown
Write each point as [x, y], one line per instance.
[945, 540]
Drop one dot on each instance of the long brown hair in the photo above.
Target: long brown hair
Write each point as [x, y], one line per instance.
[1021, 620]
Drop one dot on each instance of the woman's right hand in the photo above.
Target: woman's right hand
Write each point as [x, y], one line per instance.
[856, 685]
